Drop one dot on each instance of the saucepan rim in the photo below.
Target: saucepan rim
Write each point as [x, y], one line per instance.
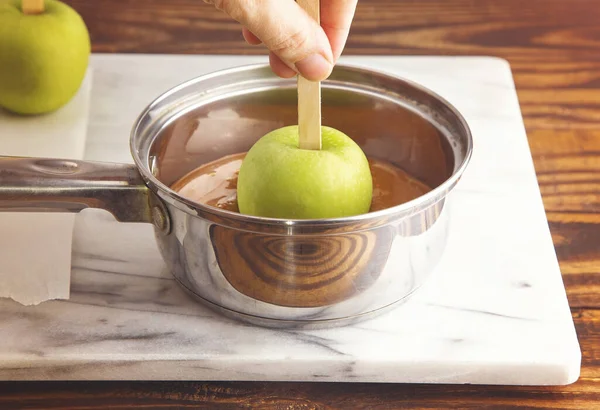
[407, 208]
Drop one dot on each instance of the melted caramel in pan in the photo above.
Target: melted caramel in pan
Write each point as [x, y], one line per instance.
[215, 184]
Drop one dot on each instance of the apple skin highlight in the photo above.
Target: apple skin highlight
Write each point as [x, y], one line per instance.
[279, 180]
[43, 57]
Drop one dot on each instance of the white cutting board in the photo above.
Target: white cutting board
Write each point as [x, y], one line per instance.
[494, 312]
[35, 248]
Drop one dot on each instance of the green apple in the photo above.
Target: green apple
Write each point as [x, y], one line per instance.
[43, 57]
[277, 179]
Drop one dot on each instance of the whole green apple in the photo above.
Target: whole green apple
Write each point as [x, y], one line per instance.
[277, 179]
[43, 57]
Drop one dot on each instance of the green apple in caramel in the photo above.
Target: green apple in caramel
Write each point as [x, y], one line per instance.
[278, 179]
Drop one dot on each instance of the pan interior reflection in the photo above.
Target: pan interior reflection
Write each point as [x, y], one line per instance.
[386, 130]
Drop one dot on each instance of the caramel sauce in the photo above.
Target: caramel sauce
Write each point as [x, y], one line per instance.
[392, 186]
[215, 184]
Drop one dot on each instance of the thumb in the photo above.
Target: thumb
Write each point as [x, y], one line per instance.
[287, 31]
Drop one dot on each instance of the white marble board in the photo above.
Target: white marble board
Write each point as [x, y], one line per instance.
[494, 312]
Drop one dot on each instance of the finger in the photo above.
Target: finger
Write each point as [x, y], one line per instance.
[279, 67]
[287, 30]
[250, 37]
[336, 19]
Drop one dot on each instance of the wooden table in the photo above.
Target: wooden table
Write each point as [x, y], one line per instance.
[554, 49]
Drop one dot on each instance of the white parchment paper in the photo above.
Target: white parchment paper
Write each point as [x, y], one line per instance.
[35, 248]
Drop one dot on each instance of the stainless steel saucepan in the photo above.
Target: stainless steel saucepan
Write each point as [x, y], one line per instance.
[272, 272]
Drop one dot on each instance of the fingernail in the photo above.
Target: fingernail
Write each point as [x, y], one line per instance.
[315, 67]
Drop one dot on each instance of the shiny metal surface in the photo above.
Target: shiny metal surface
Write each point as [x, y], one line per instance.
[58, 185]
[281, 273]
[302, 272]
[271, 280]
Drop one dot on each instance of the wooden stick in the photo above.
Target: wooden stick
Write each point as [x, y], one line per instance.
[309, 96]
[33, 6]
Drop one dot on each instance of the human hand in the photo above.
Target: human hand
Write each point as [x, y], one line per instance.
[296, 43]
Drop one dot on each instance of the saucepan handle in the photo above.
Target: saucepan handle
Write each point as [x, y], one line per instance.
[60, 185]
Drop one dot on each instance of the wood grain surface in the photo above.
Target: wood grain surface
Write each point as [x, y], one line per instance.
[554, 49]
